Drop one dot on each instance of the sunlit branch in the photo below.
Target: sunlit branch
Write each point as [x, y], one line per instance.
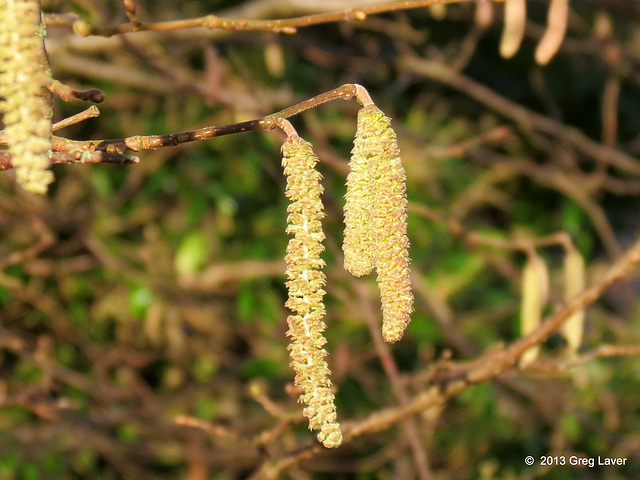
[288, 25]
[150, 142]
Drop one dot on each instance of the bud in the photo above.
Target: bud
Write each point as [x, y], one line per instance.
[25, 102]
[305, 285]
[574, 281]
[535, 290]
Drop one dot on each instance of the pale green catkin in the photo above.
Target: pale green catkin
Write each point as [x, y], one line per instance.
[305, 284]
[377, 142]
[25, 103]
[358, 244]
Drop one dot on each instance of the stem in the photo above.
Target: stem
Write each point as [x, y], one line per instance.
[288, 25]
[139, 142]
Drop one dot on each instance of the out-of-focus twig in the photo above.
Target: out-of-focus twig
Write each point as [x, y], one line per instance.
[525, 118]
[288, 25]
[460, 377]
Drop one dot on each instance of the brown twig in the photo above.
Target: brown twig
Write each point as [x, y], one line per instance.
[70, 94]
[130, 10]
[90, 112]
[525, 118]
[383, 351]
[460, 377]
[138, 142]
[77, 157]
[288, 25]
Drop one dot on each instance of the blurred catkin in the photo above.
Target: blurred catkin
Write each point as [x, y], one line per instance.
[25, 102]
[557, 20]
[535, 292]
[305, 284]
[385, 234]
[574, 282]
[515, 20]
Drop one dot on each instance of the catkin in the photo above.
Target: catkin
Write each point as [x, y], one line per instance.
[358, 244]
[25, 101]
[376, 141]
[535, 292]
[557, 19]
[574, 282]
[515, 19]
[305, 285]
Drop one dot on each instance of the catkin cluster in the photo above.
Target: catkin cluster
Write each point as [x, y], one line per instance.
[375, 218]
[25, 101]
[305, 284]
[375, 238]
[535, 296]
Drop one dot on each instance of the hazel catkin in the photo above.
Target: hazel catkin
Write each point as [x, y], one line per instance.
[305, 285]
[25, 103]
[379, 230]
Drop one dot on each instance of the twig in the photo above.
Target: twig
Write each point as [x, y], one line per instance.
[70, 94]
[410, 429]
[288, 26]
[130, 10]
[459, 378]
[603, 351]
[138, 142]
[90, 112]
[524, 117]
[77, 157]
[501, 360]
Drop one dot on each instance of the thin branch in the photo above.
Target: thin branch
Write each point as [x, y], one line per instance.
[524, 117]
[501, 360]
[77, 157]
[90, 112]
[383, 350]
[288, 25]
[456, 378]
[130, 10]
[150, 142]
[70, 94]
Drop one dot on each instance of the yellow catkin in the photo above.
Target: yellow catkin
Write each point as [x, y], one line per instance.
[574, 282]
[358, 245]
[535, 291]
[305, 285]
[25, 101]
[377, 141]
[515, 19]
[557, 19]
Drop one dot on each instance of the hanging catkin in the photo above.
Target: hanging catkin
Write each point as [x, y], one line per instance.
[535, 292]
[305, 284]
[574, 283]
[25, 103]
[384, 237]
[557, 19]
[515, 19]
